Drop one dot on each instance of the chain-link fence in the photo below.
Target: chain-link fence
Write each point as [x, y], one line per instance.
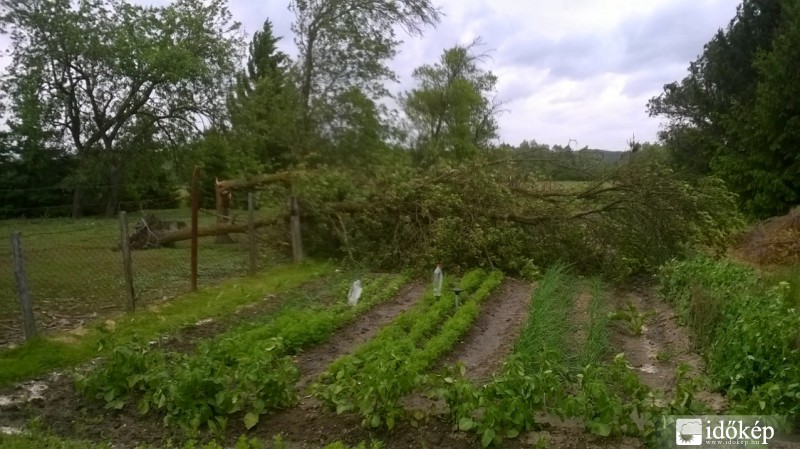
[75, 270]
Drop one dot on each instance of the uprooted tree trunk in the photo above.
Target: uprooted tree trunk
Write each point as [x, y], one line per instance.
[151, 232]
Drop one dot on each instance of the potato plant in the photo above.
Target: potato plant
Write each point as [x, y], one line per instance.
[245, 372]
[747, 329]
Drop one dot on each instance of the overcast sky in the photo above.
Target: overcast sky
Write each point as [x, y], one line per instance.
[568, 69]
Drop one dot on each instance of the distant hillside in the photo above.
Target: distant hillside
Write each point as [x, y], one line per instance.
[607, 156]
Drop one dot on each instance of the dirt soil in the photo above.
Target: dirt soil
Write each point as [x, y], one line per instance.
[313, 362]
[493, 334]
[775, 241]
[663, 346]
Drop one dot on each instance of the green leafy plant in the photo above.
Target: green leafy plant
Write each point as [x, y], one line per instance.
[632, 317]
[748, 331]
[244, 372]
[373, 380]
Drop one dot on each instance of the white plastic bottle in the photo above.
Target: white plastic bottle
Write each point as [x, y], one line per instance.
[438, 278]
[355, 293]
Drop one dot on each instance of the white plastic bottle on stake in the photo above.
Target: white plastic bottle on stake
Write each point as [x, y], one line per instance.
[355, 293]
[438, 278]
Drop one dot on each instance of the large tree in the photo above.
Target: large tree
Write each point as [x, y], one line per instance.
[264, 108]
[734, 115]
[345, 44]
[453, 110]
[765, 165]
[106, 70]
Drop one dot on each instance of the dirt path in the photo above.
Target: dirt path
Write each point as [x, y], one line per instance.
[494, 333]
[309, 421]
[663, 346]
[311, 363]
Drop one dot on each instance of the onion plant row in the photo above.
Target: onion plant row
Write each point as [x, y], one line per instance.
[550, 373]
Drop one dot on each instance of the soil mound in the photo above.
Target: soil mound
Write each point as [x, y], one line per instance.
[775, 241]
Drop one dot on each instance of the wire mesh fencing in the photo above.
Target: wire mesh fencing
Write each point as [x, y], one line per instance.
[74, 267]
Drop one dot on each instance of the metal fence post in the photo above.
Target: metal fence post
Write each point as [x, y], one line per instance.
[127, 265]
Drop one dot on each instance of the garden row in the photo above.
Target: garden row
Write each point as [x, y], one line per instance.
[246, 371]
[550, 373]
[748, 330]
[373, 380]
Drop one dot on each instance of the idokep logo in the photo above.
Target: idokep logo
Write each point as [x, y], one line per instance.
[689, 432]
[731, 431]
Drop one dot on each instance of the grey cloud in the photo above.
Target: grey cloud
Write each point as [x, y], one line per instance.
[574, 57]
[651, 81]
[674, 33]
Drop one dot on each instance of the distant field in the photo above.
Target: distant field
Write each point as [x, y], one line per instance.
[73, 272]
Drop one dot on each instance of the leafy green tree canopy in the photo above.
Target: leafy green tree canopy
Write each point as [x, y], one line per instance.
[735, 113]
[453, 110]
[104, 69]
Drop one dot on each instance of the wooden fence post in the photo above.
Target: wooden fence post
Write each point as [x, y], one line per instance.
[251, 229]
[195, 208]
[127, 266]
[294, 223]
[28, 322]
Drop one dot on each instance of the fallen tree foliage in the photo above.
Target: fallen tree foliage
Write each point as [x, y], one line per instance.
[497, 211]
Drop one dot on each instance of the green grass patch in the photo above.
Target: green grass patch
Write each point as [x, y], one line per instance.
[43, 355]
[44, 441]
[72, 270]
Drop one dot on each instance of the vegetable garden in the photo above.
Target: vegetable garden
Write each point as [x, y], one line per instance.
[566, 380]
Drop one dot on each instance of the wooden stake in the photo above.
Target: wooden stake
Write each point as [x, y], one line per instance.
[28, 322]
[251, 229]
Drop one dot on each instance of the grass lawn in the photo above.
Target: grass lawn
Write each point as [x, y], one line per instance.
[73, 274]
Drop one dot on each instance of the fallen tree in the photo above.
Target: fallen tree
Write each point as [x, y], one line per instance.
[225, 189]
[152, 232]
[498, 211]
